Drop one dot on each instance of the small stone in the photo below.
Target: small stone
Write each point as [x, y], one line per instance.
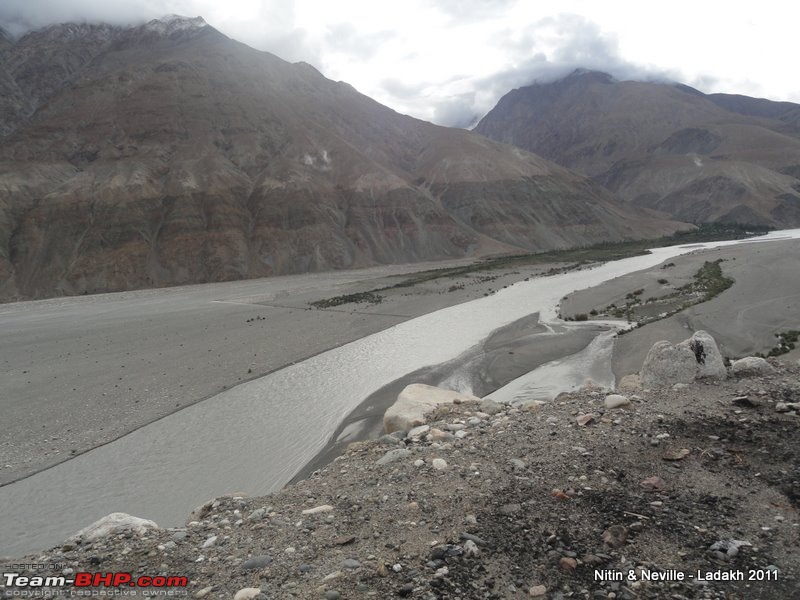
[518, 464]
[419, 462]
[344, 540]
[676, 454]
[615, 536]
[617, 401]
[437, 435]
[205, 592]
[393, 455]
[318, 509]
[537, 591]
[419, 431]
[568, 564]
[583, 420]
[439, 464]
[474, 538]
[490, 407]
[389, 440]
[257, 514]
[653, 484]
[257, 562]
[179, 536]
[332, 595]
[351, 563]
[471, 549]
[210, 542]
[247, 594]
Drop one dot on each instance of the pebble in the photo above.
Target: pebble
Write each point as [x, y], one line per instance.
[617, 401]
[393, 455]
[210, 542]
[439, 464]
[490, 407]
[419, 431]
[460, 435]
[204, 592]
[568, 564]
[351, 563]
[419, 462]
[179, 536]
[389, 440]
[257, 562]
[471, 549]
[518, 464]
[247, 594]
[318, 509]
[537, 591]
[332, 595]
[474, 538]
[257, 514]
[437, 435]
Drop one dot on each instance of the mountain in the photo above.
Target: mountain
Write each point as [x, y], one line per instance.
[665, 146]
[168, 154]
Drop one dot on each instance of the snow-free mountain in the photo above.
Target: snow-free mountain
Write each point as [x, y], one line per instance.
[167, 153]
[698, 157]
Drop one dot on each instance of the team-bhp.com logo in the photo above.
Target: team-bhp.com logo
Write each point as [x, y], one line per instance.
[94, 580]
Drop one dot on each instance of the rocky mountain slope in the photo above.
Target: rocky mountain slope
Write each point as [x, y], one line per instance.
[168, 153]
[699, 157]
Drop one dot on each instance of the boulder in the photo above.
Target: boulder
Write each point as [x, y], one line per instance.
[111, 524]
[666, 364]
[710, 364]
[415, 403]
[751, 365]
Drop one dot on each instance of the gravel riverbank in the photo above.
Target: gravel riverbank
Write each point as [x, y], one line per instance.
[497, 502]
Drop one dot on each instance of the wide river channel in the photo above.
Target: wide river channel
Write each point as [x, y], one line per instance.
[254, 437]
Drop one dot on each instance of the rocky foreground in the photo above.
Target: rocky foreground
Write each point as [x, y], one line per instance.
[695, 480]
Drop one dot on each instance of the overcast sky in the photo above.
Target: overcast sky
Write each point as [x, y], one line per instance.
[449, 61]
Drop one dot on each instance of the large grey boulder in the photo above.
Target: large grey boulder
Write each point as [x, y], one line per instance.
[695, 358]
[710, 364]
[415, 403]
[667, 364]
[751, 365]
[111, 524]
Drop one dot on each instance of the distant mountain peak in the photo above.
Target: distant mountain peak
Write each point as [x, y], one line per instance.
[591, 75]
[171, 23]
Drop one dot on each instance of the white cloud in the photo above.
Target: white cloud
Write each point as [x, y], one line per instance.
[451, 60]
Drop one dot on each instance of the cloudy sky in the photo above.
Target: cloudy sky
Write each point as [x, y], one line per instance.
[449, 61]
